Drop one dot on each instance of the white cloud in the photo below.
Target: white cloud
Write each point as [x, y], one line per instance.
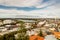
[48, 3]
[49, 12]
[26, 3]
[20, 2]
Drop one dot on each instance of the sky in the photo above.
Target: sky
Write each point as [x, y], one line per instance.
[30, 8]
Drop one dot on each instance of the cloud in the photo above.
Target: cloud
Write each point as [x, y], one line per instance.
[47, 3]
[21, 3]
[51, 9]
[27, 3]
[49, 12]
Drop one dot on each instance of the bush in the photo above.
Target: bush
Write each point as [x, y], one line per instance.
[9, 37]
[22, 36]
[40, 34]
[1, 37]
